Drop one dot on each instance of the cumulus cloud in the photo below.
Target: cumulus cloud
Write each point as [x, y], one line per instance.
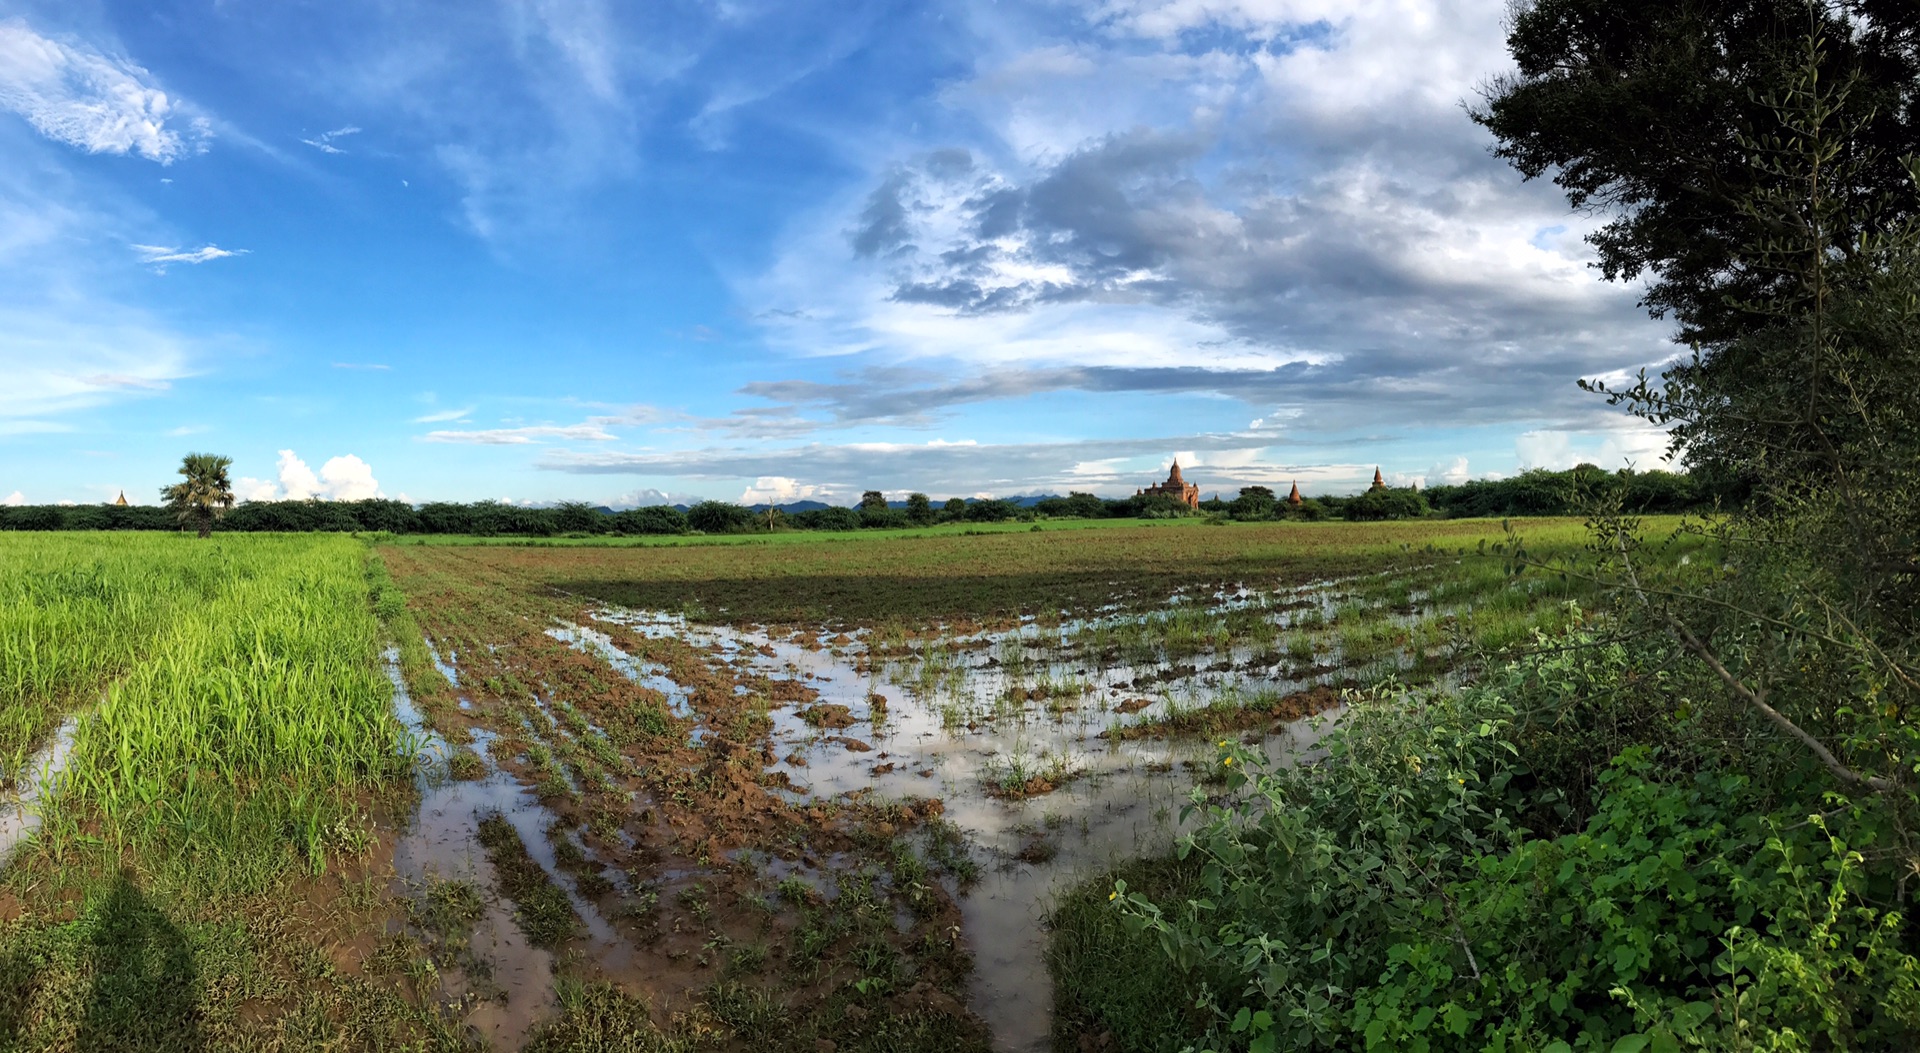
[14, 499]
[344, 478]
[1198, 194]
[349, 478]
[160, 256]
[77, 95]
[780, 490]
[1451, 473]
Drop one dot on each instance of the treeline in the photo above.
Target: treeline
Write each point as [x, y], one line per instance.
[1534, 493]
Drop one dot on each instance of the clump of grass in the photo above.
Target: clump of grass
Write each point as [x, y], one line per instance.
[542, 910]
[1018, 775]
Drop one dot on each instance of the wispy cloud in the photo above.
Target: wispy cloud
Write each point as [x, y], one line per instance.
[160, 256]
[188, 429]
[521, 436]
[444, 415]
[123, 380]
[324, 141]
[75, 94]
[379, 367]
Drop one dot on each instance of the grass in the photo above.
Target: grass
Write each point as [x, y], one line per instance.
[540, 908]
[210, 838]
[1113, 989]
[880, 579]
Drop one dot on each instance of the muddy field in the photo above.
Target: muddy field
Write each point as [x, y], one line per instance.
[842, 829]
[803, 797]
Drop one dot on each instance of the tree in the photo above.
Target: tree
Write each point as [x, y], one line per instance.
[1642, 109]
[873, 501]
[719, 517]
[1385, 504]
[653, 519]
[578, 517]
[954, 510]
[1254, 502]
[919, 509]
[204, 493]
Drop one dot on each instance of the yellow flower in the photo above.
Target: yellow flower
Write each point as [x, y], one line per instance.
[1462, 782]
[1111, 896]
[1228, 761]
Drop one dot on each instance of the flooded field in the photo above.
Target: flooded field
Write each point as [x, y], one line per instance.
[308, 793]
[861, 825]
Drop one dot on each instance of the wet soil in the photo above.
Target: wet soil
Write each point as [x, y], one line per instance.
[848, 836]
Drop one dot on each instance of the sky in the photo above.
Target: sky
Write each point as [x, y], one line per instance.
[624, 252]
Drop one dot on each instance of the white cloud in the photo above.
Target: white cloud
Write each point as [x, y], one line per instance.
[1451, 473]
[1639, 445]
[344, 478]
[247, 488]
[57, 361]
[444, 415]
[296, 479]
[14, 499]
[324, 141]
[349, 478]
[74, 94]
[779, 490]
[521, 436]
[160, 255]
[370, 366]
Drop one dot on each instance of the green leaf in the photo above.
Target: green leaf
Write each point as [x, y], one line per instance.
[1631, 1043]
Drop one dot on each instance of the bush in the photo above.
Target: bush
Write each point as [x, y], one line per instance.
[653, 519]
[994, 511]
[1386, 503]
[719, 517]
[1388, 899]
[828, 519]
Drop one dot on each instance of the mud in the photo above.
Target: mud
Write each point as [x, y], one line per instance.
[865, 827]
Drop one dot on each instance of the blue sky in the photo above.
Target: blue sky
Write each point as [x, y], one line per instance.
[542, 250]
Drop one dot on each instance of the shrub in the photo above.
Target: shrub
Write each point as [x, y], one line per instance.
[653, 519]
[719, 517]
[1375, 505]
[1388, 899]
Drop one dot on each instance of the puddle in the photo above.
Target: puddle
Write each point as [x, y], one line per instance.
[515, 990]
[961, 717]
[38, 780]
[1023, 734]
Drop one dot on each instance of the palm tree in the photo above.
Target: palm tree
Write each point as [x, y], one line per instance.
[205, 494]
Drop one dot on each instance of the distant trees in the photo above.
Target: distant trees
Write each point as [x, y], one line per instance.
[656, 519]
[204, 492]
[1531, 493]
[1386, 503]
[919, 509]
[1254, 502]
[719, 517]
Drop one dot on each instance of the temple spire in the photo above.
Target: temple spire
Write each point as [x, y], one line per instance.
[1293, 496]
[1378, 482]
